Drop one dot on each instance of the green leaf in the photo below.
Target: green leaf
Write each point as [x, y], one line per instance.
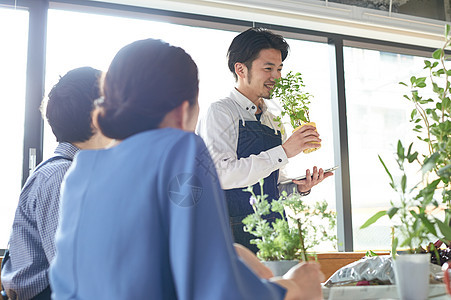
[413, 79]
[402, 83]
[413, 113]
[437, 53]
[429, 163]
[386, 170]
[401, 149]
[428, 224]
[370, 253]
[444, 229]
[435, 88]
[409, 149]
[446, 170]
[412, 157]
[446, 103]
[394, 245]
[420, 80]
[373, 219]
[447, 30]
[403, 183]
[392, 211]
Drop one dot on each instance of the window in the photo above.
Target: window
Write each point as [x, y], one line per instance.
[315, 73]
[13, 62]
[81, 39]
[378, 116]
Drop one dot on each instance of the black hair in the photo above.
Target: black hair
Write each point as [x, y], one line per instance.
[145, 81]
[246, 47]
[70, 104]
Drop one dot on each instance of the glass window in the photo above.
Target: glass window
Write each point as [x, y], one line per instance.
[81, 39]
[378, 116]
[13, 62]
[316, 77]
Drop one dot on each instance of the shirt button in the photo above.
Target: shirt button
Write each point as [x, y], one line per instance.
[247, 108]
[280, 160]
[253, 107]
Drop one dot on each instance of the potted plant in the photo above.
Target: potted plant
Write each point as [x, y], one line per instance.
[290, 238]
[295, 102]
[416, 213]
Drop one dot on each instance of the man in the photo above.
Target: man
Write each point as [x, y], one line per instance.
[240, 133]
[31, 247]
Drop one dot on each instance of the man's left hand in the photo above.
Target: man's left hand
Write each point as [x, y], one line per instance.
[305, 185]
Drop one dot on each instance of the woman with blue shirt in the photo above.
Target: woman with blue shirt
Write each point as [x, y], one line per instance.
[146, 218]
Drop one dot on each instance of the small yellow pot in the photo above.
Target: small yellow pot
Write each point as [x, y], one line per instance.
[311, 149]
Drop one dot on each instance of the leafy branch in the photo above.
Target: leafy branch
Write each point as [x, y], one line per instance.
[295, 101]
[431, 119]
[295, 233]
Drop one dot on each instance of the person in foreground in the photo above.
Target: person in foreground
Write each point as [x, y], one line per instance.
[31, 246]
[144, 219]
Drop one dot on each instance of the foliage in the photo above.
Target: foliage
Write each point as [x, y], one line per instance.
[295, 101]
[431, 120]
[313, 224]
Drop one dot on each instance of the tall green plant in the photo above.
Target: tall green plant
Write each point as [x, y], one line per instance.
[431, 119]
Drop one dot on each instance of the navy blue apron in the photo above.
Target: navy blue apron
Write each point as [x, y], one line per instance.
[253, 138]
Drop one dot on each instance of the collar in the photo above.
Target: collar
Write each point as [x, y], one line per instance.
[245, 103]
[66, 149]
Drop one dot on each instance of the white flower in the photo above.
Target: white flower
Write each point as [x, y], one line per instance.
[252, 200]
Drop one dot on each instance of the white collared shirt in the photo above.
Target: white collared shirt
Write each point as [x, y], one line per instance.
[219, 128]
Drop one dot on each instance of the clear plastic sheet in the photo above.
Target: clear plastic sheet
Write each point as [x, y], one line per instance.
[376, 269]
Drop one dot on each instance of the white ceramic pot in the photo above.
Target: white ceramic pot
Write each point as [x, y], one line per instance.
[280, 267]
[412, 276]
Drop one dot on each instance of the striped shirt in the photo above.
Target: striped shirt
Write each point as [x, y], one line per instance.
[31, 245]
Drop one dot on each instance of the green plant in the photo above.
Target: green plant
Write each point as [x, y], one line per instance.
[431, 119]
[311, 225]
[294, 100]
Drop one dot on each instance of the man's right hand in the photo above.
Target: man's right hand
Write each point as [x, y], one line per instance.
[303, 282]
[302, 139]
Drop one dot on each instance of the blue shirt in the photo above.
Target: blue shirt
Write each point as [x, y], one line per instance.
[147, 219]
[31, 245]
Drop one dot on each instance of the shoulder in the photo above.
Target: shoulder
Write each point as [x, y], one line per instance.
[52, 172]
[221, 110]
[160, 141]
[224, 105]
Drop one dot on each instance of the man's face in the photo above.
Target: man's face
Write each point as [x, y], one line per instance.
[260, 78]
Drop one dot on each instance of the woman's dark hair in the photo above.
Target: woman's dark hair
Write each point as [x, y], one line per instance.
[146, 80]
[70, 104]
[246, 47]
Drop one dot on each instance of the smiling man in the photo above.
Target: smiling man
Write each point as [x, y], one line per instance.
[244, 141]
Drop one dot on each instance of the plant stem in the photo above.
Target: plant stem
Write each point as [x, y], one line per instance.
[301, 240]
[425, 120]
